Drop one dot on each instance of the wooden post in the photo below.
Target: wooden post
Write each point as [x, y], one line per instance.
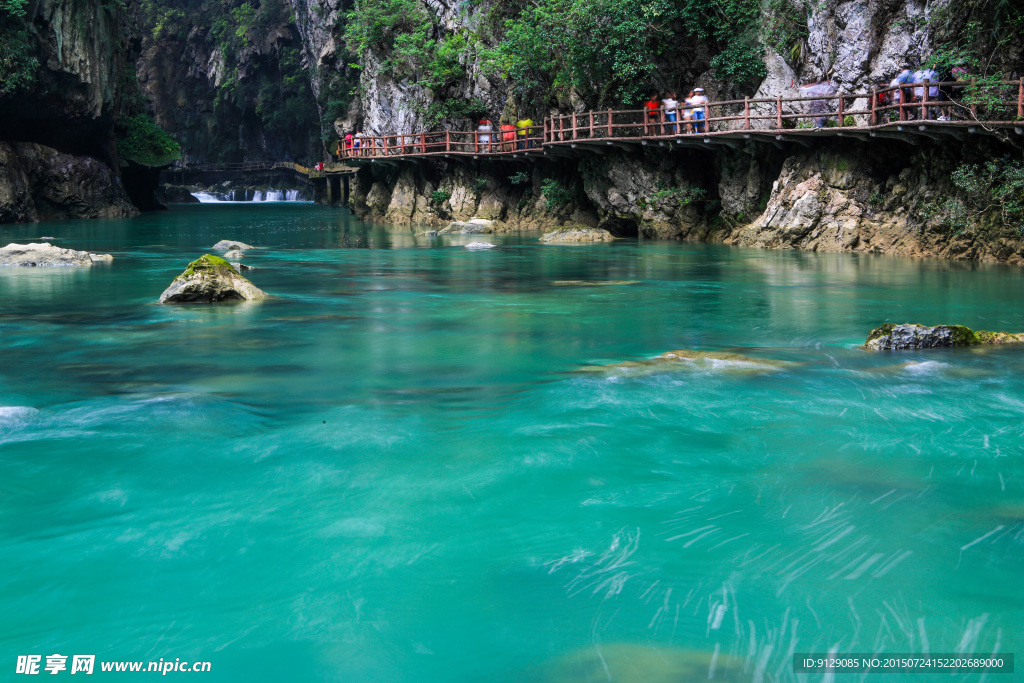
[778, 112]
[841, 110]
[1020, 99]
[423, 143]
[746, 113]
[661, 117]
[974, 107]
[874, 106]
[924, 100]
[591, 123]
[447, 141]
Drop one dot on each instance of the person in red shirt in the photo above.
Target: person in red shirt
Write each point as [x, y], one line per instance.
[653, 107]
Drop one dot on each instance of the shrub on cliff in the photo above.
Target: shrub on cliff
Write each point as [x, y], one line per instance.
[141, 141]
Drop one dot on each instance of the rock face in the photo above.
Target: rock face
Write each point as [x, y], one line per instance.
[577, 235]
[892, 337]
[875, 200]
[81, 50]
[45, 254]
[40, 183]
[210, 279]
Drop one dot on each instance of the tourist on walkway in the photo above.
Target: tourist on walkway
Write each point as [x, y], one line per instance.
[906, 94]
[508, 137]
[348, 144]
[671, 106]
[688, 111]
[357, 142]
[483, 136]
[653, 107]
[523, 131]
[699, 103]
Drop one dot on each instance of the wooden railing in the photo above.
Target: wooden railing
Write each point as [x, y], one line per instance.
[444, 142]
[1002, 107]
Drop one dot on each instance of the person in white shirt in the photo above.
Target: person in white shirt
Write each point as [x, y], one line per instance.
[699, 102]
[671, 105]
[483, 136]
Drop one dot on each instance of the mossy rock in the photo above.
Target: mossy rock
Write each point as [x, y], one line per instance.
[893, 337]
[210, 279]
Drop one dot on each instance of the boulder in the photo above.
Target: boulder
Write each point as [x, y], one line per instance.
[480, 245]
[232, 245]
[210, 279]
[577, 234]
[240, 267]
[45, 254]
[892, 337]
[235, 254]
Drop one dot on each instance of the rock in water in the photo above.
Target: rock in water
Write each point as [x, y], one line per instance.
[232, 245]
[45, 254]
[892, 337]
[577, 234]
[466, 228]
[235, 254]
[479, 245]
[210, 279]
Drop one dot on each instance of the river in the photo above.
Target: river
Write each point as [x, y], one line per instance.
[407, 466]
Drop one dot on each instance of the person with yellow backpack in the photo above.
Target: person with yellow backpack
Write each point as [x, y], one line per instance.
[523, 126]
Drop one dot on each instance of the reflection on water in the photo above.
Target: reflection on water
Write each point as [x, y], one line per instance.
[395, 470]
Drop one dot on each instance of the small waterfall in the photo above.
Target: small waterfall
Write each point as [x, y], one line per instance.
[240, 196]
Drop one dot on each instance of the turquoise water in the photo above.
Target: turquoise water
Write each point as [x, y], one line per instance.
[405, 466]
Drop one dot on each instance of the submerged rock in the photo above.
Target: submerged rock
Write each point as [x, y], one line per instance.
[892, 337]
[480, 245]
[687, 359]
[232, 245]
[577, 234]
[471, 227]
[45, 254]
[240, 267]
[210, 279]
[235, 254]
[638, 663]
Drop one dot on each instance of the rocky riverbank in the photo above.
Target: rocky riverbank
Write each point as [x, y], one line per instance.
[879, 197]
[39, 183]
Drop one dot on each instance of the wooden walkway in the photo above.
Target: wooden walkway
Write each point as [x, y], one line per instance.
[778, 121]
[253, 166]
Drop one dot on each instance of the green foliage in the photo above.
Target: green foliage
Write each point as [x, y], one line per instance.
[17, 65]
[679, 195]
[555, 194]
[784, 28]
[995, 187]
[140, 140]
[12, 8]
[519, 178]
[876, 199]
[439, 110]
[400, 28]
[608, 50]
[479, 185]
[849, 121]
[440, 196]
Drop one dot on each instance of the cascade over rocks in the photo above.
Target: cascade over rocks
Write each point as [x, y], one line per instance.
[210, 279]
[45, 254]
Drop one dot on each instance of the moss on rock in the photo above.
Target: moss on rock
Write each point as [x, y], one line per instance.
[210, 279]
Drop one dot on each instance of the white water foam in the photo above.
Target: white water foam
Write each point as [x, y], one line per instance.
[16, 416]
[248, 196]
